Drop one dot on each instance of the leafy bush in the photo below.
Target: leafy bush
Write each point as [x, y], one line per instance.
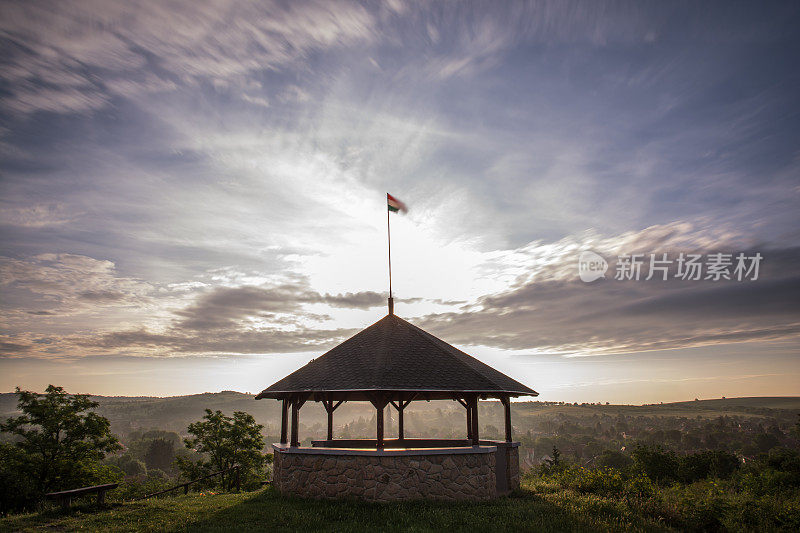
[777, 471]
[139, 486]
[656, 463]
[613, 459]
[707, 464]
[128, 464]
[611, 482]
[709, 491]
[17, 491]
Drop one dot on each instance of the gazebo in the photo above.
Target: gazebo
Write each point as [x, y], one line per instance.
[393, 362]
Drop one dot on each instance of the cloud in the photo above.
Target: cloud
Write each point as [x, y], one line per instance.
[223, 307]
[548, 308]
[37, 216]
[67, 283]
[355, 300]
[263, 341]
[55, 50]
[12, 348]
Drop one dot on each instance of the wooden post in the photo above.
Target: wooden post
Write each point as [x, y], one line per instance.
[295, 420]
[379, 409]
[466, 402]
[507, 407]
[400, 429]
[329, 408]
[284, 420]
[475, 436]
[469, 420]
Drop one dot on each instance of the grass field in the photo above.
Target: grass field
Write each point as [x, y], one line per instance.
[266, 510]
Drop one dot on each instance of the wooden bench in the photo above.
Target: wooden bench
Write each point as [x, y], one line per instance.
[65, 496]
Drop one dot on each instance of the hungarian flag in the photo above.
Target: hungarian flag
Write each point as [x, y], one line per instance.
[394, 204]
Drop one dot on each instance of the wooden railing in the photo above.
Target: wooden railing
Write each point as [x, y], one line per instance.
[65, 496]
[185, 486]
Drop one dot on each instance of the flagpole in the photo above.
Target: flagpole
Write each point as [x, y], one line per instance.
[389, 240]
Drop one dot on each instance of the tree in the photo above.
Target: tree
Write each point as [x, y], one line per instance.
[613, 459]
[708, 463]
[659, 464]
[555, 459]
[59, 440]
[129, 465]
[160, 454]
[226, 442]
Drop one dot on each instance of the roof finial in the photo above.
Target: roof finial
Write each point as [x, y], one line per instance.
[391, 305]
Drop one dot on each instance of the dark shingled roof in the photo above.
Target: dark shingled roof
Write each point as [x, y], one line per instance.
[394, 355]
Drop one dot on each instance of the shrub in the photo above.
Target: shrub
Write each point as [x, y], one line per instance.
[656, 463]
[129, 465]
[709, 463]
[610, 482]
[139, 486]
[699, 507]
[613, 459]
[777, 471]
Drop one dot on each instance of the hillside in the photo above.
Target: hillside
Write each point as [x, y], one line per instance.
[175, 413]
[267, 511]
[745, 403]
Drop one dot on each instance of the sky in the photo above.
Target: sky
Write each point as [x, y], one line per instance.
[192, 194]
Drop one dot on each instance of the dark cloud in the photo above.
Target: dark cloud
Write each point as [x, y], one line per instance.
[355, 300]
[620, 316]
[102, 296]
[269, 340]
[223, 307]
[12, 348]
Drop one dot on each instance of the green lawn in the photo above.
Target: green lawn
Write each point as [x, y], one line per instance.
[267, 510]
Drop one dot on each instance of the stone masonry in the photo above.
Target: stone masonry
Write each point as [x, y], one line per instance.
[512, 463]
[464, 476]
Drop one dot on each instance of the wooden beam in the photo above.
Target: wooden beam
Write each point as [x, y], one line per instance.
[400, 428]
[469, 420]
[302, 399]
[329, 408]
[379, 401]
[507, 407]
[475, 436]
[284, 420]
[380, 426]
[295, 421]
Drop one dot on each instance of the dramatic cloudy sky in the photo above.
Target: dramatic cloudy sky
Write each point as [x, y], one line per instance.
[192, 193]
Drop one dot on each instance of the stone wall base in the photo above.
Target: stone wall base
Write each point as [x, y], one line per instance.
[461, 476]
